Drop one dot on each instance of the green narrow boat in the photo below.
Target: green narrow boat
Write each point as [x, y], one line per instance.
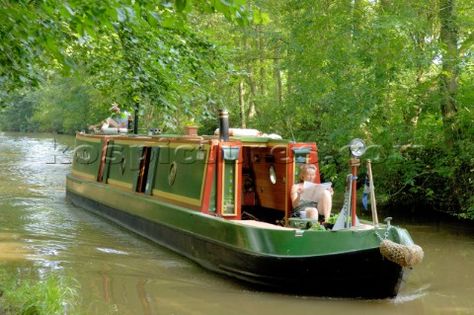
[224, 202]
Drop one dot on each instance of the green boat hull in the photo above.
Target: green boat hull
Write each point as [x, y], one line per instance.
[344, 263]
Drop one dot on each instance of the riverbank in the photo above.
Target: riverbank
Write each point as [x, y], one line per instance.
[31, 292]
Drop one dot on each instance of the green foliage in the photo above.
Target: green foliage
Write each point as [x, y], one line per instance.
[333, 218]
[317, 227]
[147, 63]
[140, 55]
[68, 105]
[17, 116]
[371, 70]
[53, 294]
[38, 33]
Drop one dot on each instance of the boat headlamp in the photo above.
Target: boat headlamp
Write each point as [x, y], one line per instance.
[357, 147]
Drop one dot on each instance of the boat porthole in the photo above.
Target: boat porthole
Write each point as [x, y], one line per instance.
[172, 173]
[272, 174]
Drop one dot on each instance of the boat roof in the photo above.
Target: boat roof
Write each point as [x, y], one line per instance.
[179, 137]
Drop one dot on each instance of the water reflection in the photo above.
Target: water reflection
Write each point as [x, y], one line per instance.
[121, 273]
[12, 247]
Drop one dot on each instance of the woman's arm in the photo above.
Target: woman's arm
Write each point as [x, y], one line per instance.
[296, 191]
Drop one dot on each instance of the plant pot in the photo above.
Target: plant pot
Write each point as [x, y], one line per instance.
[191, 130]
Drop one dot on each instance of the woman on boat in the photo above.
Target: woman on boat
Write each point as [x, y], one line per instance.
[320, 201]
[118, 119]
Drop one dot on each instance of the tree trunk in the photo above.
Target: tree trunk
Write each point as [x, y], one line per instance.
[253, 93]
[243, 122]
[261, 53]
[133, 66]
[448, 83]
[278, 84]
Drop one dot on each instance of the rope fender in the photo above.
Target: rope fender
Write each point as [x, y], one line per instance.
[404, 255]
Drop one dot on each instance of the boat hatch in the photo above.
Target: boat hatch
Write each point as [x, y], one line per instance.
[268, 172]
[125, 164]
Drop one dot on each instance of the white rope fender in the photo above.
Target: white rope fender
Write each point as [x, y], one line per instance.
[404, 255]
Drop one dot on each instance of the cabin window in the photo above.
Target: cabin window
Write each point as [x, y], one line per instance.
[139, 160]
[301, 157]
[272, 174]
[172, 173]
[151, 172]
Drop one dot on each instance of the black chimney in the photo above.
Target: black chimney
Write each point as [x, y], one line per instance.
[223, 124]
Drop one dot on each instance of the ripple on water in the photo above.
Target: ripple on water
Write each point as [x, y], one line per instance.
[111, 251]
[409, 296]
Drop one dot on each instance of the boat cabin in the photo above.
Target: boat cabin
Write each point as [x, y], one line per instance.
[242, 177]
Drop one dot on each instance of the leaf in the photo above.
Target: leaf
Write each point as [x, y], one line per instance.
[155, 16]
[169, 21]
[260, 17]
[180, 5]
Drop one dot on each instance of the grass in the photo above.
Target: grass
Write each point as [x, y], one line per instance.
[47, 294]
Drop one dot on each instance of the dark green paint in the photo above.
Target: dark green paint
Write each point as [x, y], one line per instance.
[123, 163]
[190, 165]
[87, 157]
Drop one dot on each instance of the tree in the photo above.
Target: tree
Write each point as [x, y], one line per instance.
[37, 32]
[450, 70]
[380, 70]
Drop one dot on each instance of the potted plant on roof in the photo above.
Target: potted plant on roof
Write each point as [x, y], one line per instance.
[191, 127]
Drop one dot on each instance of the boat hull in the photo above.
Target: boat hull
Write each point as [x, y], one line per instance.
[361, 273]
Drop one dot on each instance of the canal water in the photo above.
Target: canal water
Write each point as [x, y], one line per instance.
[118, 272]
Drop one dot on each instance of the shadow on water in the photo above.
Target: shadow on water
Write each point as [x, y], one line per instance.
[122, 273]
[436, 220]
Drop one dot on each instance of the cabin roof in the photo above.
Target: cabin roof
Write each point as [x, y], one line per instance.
[243, 139]
[259, 139]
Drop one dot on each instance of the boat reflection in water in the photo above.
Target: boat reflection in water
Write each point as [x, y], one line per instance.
[223, 201]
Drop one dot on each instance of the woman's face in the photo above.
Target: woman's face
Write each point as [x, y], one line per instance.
[309, 175]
